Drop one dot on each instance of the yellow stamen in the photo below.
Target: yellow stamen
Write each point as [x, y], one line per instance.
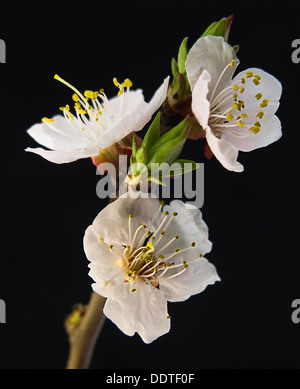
[69, 85]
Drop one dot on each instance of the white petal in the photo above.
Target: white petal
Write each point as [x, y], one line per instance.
[143, 311]
[112, 222]
[194, 280]
[66, 137]
[200, 103]
[213, 54]
[159, 97]
[224, 151]
[270, 132]
[109, 278]
[189, 226]
[64, 156]
[269, 87]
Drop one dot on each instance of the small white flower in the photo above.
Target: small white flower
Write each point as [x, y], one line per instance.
[98, 123]
[239, 114]
[143, 255]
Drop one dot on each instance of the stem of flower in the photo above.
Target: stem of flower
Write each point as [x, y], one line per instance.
[83, 338]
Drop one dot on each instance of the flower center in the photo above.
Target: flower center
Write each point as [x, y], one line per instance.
[151, 254]
[94, 112]
[232, 113]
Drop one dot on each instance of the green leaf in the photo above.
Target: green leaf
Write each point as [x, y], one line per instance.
[175, 69]
[185, 167]
[182, 56]
[134, 150]
[180, 130]
[168, 152]
[141, 156]
[152, 134]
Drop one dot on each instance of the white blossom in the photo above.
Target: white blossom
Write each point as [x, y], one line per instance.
[98, 123]
[144, 254]
[237, 114]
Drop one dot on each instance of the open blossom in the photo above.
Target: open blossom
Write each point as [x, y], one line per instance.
[237, 114]
[144, 254]
[98, 124]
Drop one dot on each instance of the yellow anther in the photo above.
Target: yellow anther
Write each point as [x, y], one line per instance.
[162, 203]
[185, 265]
[167, 213]
[115, 81]
[175, 214]
[150, 245]
[260, 115]
[89, 94]
[47, 120]
[193, 244]
[177, 237]
[161, 257]
[168, 317]
[235, 87]
[131, 217]
[229, 117]
[235, 96]
[82, 111]
[257, 77]
[257, 124]
[75, 97]
[144, 227]
[177, 251]
[201, 255]
[241, 124]
[254, 130]
[110, 246]
[133, 290]
[128, 83]
[101, 91]
[163, 233]
[244, 115]
[265, 103]
[249, 74]
[233, 63]
[256, 81]
[258, 96]
[70, 116]
[148, 233]
[243, 80]
[121, 91]
[242, 89]
[235, 106]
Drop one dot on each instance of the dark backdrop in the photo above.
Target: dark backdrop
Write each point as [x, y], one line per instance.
[242, 322]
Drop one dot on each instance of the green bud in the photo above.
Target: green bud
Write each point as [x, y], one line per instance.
[221, 28]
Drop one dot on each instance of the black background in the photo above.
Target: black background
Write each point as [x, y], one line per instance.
[242, 322]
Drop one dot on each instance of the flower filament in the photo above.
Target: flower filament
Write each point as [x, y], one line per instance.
[153, 257]
[228, 109]
[94, 113]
